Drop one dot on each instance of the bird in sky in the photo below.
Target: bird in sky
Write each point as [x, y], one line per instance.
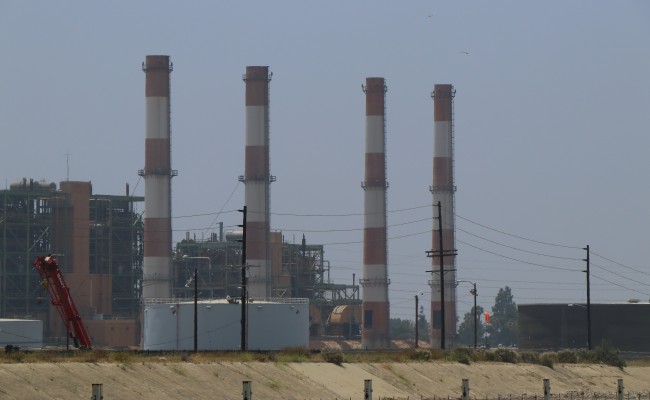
[465, 52]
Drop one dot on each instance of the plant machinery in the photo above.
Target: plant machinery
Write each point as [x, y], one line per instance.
[52, 280]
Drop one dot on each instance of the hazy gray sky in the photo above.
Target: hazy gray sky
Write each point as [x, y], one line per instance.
[551, 113]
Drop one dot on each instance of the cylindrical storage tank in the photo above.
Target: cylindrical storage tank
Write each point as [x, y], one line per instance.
[234, 236]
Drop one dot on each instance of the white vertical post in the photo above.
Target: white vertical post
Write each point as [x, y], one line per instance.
[367, 389]
[97, 392]
[465, 389]
[547, 389]
[620, 390]
[248, 390]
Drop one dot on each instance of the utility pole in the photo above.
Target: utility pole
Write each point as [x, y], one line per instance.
[588, 299]
[244, 293]
[416, 321]
[196, 295]
[473, 292]
[441, 254]
[442, 279]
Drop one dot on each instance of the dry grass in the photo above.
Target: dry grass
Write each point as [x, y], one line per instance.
[293, 355]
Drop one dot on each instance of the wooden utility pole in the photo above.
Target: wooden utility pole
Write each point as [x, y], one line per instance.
[417, 330]
[441, 253]
[244, 293]
[588, 300]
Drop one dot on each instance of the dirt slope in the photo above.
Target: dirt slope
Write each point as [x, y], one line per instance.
[187, 381]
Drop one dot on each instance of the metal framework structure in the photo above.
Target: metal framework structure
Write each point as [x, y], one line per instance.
[116, 249]
[34, 221]
[301, 272]
[218, 264]
[29, 220]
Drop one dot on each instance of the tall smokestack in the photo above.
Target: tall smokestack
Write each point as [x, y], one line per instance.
[443, 189]
[257, 180]
[157, 175]
[375, 271]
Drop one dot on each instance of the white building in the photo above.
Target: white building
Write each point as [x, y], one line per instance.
[21, 332]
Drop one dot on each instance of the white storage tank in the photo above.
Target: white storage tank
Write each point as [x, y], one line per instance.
[272, 325]
[22, 333]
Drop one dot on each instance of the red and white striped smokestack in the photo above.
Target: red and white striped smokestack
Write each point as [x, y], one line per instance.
[375, 270]
[157, 175]
[257, 180]
[443, 189]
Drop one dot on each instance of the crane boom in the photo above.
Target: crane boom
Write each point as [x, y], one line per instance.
[52, 280]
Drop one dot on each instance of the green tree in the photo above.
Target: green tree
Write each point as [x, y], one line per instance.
[503, 330]
[423, 326]
[401, 328]
[466, 328]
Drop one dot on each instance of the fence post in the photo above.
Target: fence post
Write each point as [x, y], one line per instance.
[619, 390]
[547, 389]
[97, 392]
[367, 389]
[465, 389]
[248, 390]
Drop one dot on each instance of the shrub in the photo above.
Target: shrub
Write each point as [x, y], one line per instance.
[265, 356]
[548, 359]
[333, 357]
[419, 354]
[608, 354]
[586, 356]
[506, 355]
[436, 354]
[567, 357]
[529, 357]
[462, 355]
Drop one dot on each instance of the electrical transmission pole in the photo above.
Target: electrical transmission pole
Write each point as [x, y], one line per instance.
[244, 293]
[441, 254]
[588, 299]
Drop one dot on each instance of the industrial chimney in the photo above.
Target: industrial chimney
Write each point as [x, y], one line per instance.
[375, 271]
[157, 175]
[257, 181]
[443, 189]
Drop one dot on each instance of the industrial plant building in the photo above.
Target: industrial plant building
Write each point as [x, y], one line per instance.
[97, 238]
[134, 288]
[626, 326]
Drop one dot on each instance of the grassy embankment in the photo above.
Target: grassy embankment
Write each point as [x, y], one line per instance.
[603, 354]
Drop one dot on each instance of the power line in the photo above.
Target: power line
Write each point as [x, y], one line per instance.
[621, 286]
[514, 259]
[518, 249]
[622, 265]
[517, 236]
[351, 229]
[348, 214]
[619, 275]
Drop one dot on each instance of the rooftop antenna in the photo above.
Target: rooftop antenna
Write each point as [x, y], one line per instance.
[67, 167]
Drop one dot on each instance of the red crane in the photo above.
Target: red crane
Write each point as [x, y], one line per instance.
[52, 280]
